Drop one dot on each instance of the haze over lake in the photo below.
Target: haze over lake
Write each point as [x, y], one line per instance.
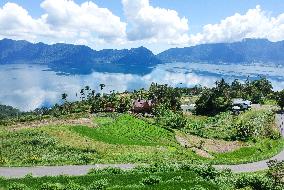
[31, 86]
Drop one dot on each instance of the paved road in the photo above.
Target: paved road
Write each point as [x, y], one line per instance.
[18, 172]
[261, 165]
[15, 172]
[279, 119]
[252, 167]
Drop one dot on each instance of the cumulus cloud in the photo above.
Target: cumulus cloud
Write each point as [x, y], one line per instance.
[83, 21]
[256, 23]
[154, 24]
[15, 22]
[62, 20]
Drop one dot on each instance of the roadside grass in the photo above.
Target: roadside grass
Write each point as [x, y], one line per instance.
[167, 180]
[262, 150]
[127, 130]
[31, 147]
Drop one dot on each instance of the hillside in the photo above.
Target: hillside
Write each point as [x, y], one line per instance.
[77, 58]
[248, 50]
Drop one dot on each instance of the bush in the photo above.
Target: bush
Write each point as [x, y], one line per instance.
[108, 170]
[98, 185]
[73, 186]
[154, 168]
[198, 187]
[51, 186]
[18, 186]
[256, 182]
[204, 171]
[151, 180]
[170, 119]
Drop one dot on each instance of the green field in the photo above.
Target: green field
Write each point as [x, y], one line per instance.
[122, 138]
[127, 130]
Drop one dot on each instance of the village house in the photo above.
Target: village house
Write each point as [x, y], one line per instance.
[143, 106]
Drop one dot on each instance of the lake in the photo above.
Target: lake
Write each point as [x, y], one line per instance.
[31, 86]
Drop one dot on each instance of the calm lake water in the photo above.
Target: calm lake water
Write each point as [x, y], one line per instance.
[30, 86]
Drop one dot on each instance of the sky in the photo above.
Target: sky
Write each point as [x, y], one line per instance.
[155, 24]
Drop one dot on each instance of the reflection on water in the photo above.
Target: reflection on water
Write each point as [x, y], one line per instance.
[30, 86]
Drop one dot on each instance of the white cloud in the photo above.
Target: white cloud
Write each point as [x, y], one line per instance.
[254, 24]
[15, 22]
[85, 21]
[154, 24]
[64, 21]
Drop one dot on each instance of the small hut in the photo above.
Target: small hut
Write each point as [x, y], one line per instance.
[143, 106]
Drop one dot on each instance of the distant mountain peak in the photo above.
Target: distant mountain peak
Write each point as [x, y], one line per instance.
[68, 56]
[248, 50]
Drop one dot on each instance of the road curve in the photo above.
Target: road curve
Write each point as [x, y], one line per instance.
[18, 172]
[40, 171]
[251, 167]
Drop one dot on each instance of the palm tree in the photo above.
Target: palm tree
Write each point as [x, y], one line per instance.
[102, 86]
[64, 97]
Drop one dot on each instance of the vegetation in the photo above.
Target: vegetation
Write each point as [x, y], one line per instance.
[249, 125]
[127, 130]
[125, 137]
[7, 112]
[28, 147]
[218, 99]
[157, 176]
[280, 99]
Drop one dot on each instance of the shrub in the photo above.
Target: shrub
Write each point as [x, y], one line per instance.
[18, 186]
[154, 168]
[151, 180]
[205, 171]
[256, 182]
[73, 186]
[177, 179]
[98, 185]
[51, 186]
[169, 118]
[108, 170]
[198, 187]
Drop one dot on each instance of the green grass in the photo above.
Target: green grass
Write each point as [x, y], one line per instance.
[127, 130]
[31, 147]
[258, 151]
[120, 181]
[223, 126]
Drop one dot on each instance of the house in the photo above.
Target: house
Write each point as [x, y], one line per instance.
[143, 106]
[187, 107]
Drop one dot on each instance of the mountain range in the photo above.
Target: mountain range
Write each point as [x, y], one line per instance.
[78, 59]
[245, 51]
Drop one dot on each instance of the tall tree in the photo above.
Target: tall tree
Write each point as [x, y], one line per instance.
[280, 99]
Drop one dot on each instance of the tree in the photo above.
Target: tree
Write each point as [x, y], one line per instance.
[102, 86]
[280, 99]
[64, 97]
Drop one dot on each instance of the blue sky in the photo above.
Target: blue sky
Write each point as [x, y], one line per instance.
[198, 13]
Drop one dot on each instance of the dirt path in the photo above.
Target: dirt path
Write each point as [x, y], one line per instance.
[46, 122]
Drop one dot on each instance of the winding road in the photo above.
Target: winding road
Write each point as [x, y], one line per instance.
[18, 172]
[14, 172]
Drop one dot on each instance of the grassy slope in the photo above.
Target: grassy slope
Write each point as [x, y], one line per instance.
[258, 151]
[124, 139]
[127, 130]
